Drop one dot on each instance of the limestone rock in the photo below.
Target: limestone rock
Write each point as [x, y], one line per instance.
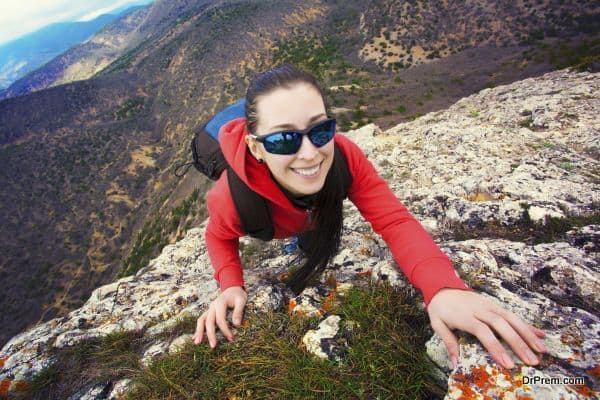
[120, 389]
[180, 342]
[157, 349]
[270, 298]
[323, 342]
[550, 285]
[92, 392]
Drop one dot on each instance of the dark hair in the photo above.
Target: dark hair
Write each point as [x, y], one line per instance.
[322, 243]
[284, 76]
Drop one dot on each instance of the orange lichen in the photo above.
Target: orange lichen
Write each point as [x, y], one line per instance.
[584, 391]
[291, 305]
[328, 302]
[283, 276]
[21, 386]
[594, 371]
[480, 377]
[485, 383]
[480, 197]
[546, 360]
[2, 361]
[578, 355]
[364, 273]
[365, 251]
[301, 313]
[462, 382]
[571, 340]
[368, 236]
[4, 385]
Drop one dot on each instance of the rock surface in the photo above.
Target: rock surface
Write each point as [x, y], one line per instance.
[535, 141]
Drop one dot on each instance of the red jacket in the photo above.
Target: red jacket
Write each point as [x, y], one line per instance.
[419, 257]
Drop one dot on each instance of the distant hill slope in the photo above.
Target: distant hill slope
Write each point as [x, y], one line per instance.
[403, 33]
[82, 60]
[87, 167]
[35, 49]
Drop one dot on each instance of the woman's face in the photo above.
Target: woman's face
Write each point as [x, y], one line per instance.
[298, 107]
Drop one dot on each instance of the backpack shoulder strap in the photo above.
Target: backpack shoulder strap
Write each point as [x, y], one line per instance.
[252, 208]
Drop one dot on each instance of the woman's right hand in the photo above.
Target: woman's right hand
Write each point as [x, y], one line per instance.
[233, 297]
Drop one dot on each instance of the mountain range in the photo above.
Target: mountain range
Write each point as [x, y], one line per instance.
[30, 52]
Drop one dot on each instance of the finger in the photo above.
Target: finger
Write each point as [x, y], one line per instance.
[210, 327]
[199, 334]
[448, 338]
[238, 310]
[538, 332]
[527, 331]
[511, 333]
[491, 343]
[221, 314]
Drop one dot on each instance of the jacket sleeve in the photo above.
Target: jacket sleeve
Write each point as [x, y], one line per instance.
[425, 265]
[222, 236]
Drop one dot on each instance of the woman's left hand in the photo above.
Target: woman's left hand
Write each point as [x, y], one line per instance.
[474, 313]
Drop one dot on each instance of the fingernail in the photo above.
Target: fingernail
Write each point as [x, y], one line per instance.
[542, 332]
[531, 358]
[508, 362]
[454, 361]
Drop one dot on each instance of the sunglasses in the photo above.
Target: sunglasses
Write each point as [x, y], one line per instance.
[289, 142]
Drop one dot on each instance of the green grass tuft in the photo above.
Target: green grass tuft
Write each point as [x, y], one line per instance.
[386, 357]
[111, 357]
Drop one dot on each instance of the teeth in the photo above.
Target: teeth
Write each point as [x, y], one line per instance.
[307, 172]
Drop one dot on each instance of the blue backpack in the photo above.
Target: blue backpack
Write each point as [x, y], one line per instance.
[253, 209]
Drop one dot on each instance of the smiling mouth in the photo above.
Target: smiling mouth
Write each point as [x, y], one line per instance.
[308, 172]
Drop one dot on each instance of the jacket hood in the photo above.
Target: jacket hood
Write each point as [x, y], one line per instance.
[254, 174]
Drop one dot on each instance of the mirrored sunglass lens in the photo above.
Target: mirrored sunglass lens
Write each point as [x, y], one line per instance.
[283, 143]
[322, 134]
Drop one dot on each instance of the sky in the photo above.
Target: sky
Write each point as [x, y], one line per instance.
[19, 17]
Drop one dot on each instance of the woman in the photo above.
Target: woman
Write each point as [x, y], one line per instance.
[285, 150]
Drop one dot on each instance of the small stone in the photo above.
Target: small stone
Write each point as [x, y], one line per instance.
[180, 342]
[120, 389]
[153, 351]
[319, 342]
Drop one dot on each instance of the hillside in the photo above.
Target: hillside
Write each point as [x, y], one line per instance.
[492, 178]
[406, 33]
[82, 61]
[86, 167]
